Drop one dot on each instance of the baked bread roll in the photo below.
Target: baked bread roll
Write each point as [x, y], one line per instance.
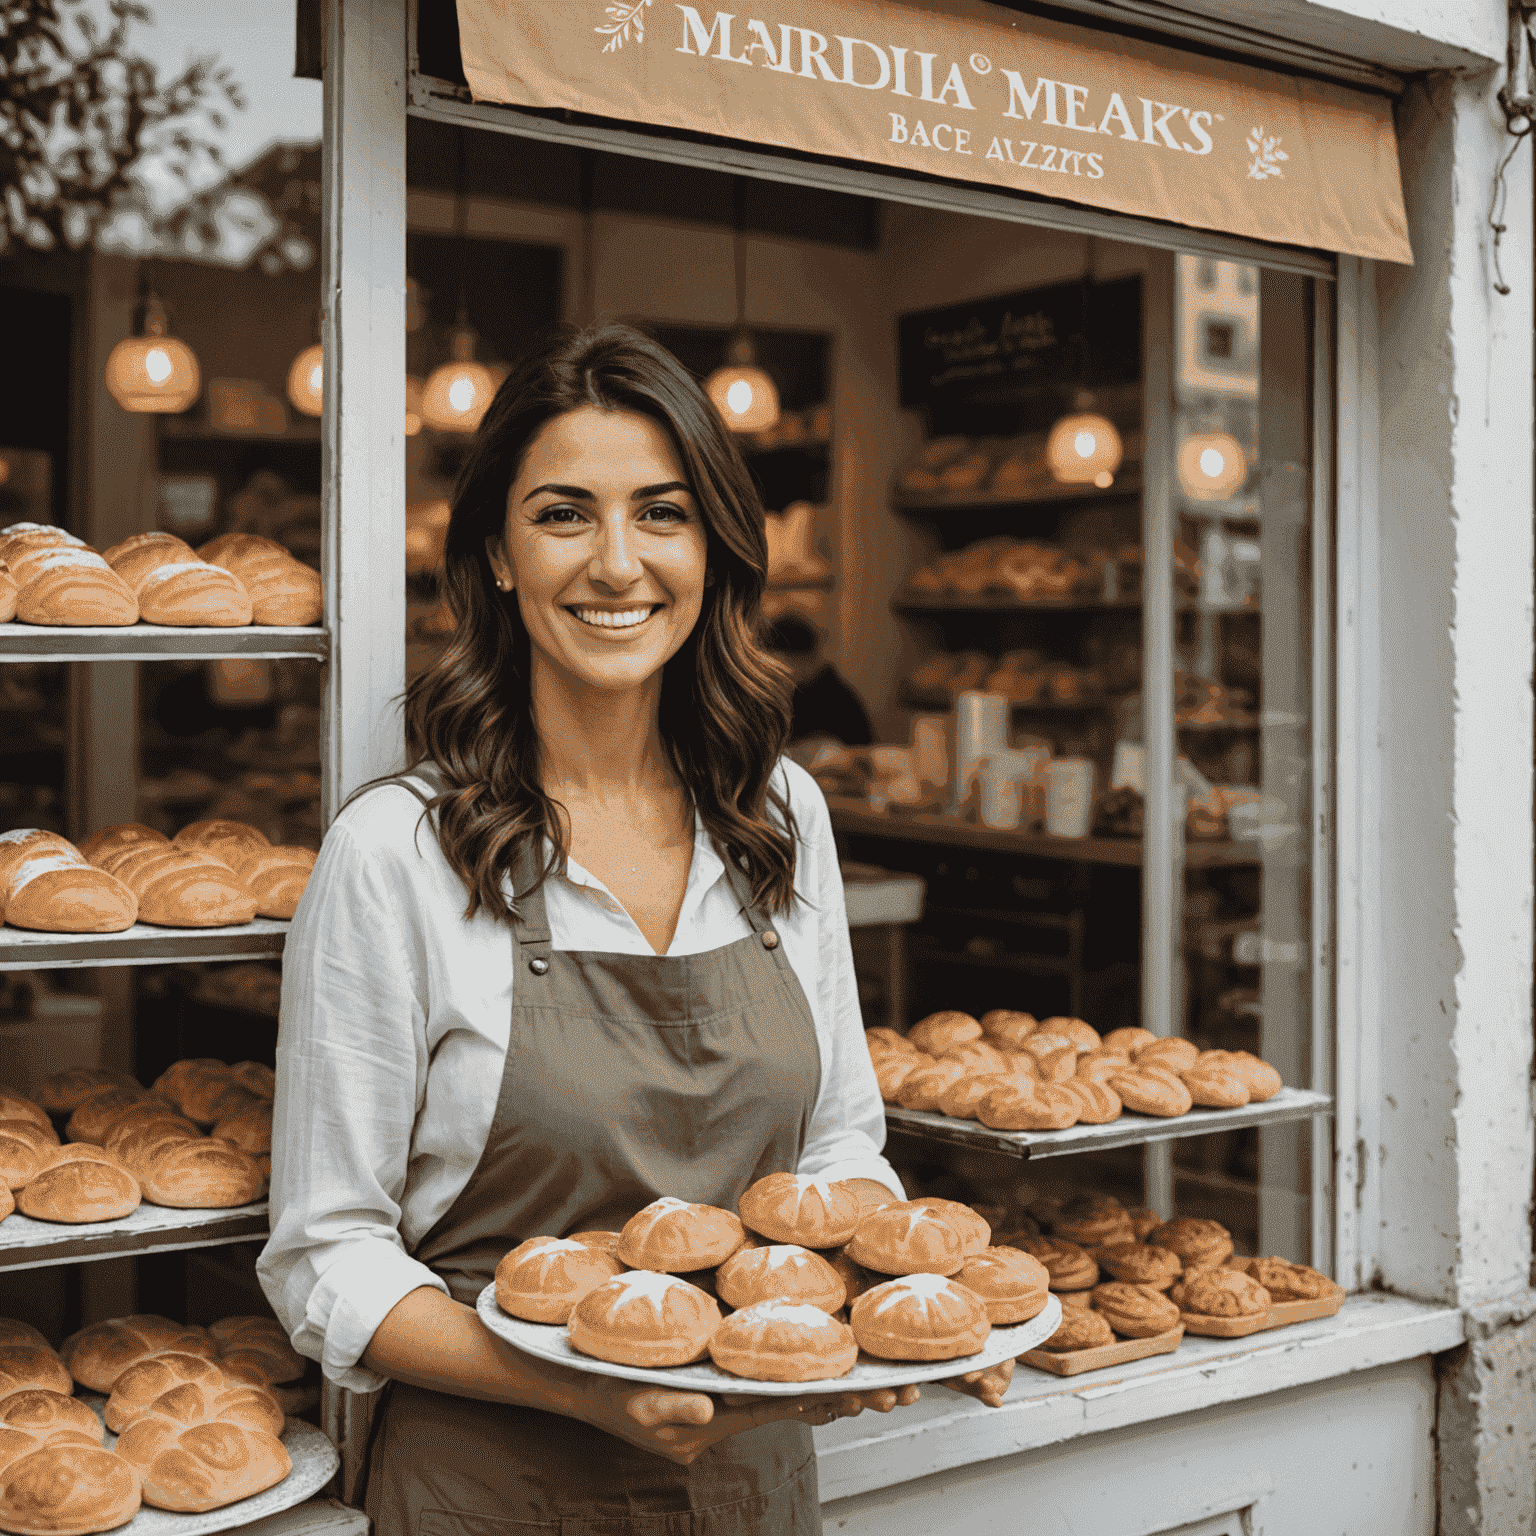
[94, 1117]
[893, 1070]
[608, 1242]
[255, 1077]
[24, 1152]
[939, 1031]
[1023, 1106]
[73, 587]
[139, 554]
[675, 1237]
[1083, 1036]
[1092, 1227]
[64, 1092]
[204, 1399]
[28, 535]
[14, 1107]
[1008, 1028]
[1171, 1051]
[962, 1099]
[783, 1341]
[181, 888]
[193, 592]
[40, 1411]
[29, 1367]
[9, 592]
[150, 1114]
[1290, 1282]
[1200, 1244]
[1142, 1264]
[645, 1319]
[1152, 1093]
[22, 842]
[135, 1391]
[277, 877]
[782, 1272]
[1098, 1103]
[881, 1038]
[906, 1239]
[1144, 1222]
[856, 1279]
[283, 590]
[923, 1088]
[919, 1317]
[1100, 1065]
[543, 1279]
[1070, 1267]
[99, 846]
[1128, 1041]
[14, 1331]
[202, 1088]
[974, 1229]
[976, 1056]
[801, 1208]
[201, 1175]
[80, 1183]
[1261, 1079]
[249, 1128]
[255, 1349]
[66, 1487]
[96, 1356]
[54, 891]
[230, 842]
[1223, 1292]
[1013, 1286]
[1212, 1087]
[1081, 1328]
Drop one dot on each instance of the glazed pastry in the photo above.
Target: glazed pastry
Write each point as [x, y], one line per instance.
[783, 1272]
[26, 1367]
[975, 1233]
[542, 1279]
[40, 1411]
[1261, 1079]
[1212, 1087]
[1223, 1292]
[1098, 1103]
[922, 1089]
[64, 1485]
[1128, 1041]
[919, 1317]
[783, 1341]
[1149, 1093]
[673, 1236]
[1013, 1286]
[939, 1031]
[1069, 1266]
[800, 1208]
[963, 1097]
[1023, 1106]
[1084, 1037]
[906, 1239]
[1200, 1244]
[1290, 1282]
[64, 1092]
[80, 1184]
[1137, 1311]
[1141, 1264]
[1081, 1328]
[96, 1356]
[1008, 1029]
[645, 1319]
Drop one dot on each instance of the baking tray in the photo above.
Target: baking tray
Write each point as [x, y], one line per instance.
[1121, 1352]
[548, 1341]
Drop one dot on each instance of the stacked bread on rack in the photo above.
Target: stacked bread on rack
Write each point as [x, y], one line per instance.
[200, 1139]
[48, 576]
[212, 874]
[1013, 1072]
[195, 1417]
[789, 1287]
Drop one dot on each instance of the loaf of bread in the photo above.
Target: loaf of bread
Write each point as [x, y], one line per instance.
[141, 553]
[100, 846]
[57, 891]
[203, 1088]
[182, 887]
[96, 1356]
[139, 1390]
[25, 1148]
[25, 1367]
[14, 1107]
[80, 1183]
[277, 876]
[283, 590]
[249, 1128]
[95, 1116]
[14, 1331]
[63, 1484]
[141, 1146]
[64, 1092]
[191, 591]
[9, 592]
[73, 587]
[18, 536]
[41, 1411]
[201, 1175]
[23, 842]
[230, 842]
[255, 1349]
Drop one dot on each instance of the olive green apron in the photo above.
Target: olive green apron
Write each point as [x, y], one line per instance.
[627, 1077]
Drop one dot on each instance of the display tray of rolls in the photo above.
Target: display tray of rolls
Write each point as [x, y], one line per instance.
[798, 1285]
[153, 1426]
[1011, 1072]
[212, 874]
[50, 577]
[199, 1139]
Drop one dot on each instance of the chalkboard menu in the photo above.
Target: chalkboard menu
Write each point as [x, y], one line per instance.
[999, 366]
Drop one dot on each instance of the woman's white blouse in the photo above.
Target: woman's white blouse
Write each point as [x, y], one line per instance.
[395, 1019]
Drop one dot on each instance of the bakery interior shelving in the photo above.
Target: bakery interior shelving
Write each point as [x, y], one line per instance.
[29, 1244]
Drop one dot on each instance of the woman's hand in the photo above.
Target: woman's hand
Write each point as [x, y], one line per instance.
[682, 1425]
[986, 1386]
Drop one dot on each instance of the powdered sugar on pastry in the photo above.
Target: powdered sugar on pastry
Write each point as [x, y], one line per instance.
[644, 1285]
[85, 557]
[925, 1288]
[165, 572]
[657, 1209]
[805, 1183]
[42, 864]
[781, 1254]
[799, 1312]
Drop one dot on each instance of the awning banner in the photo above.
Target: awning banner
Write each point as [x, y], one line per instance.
[972, 93]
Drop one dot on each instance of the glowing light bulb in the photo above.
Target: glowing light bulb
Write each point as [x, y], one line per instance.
[461, 394]
[153, 372]
[1085, 443]
[1212, 466]
[743, 394]
[1212, 462]
[1083, 449]
[306, 381]
[457, 394]
[157, 365]
[739, 397]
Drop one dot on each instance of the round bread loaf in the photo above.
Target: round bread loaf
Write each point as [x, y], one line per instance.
[800, 1208]
[1013, 1286]
[100, 846]
[1261, 1079]
[202, 1088]
[136, 1390]
[922, 1088]
[26, 1366]
[277, 876]
[1150, 1093]
[975, 1232]
[1098, 1104]
[202, 1466]
[906, 1239]
[56, 891]
[1142, 1264]
[180, 887]
[783, 1272]
[80, 1183]
[1200, 1244]
[1212, 1087]
[675, 1237]
[231, 842]
[1025, 1106]
[96, 1115]
[255, 1349]
[607, 1241]
[1223, 1292]
[1137, 1311]
[1084, 1037]
[543, 1278]
[24, 1152]
[783, 1341]
[939, 1031]
[14, 1331]
[14, 1107]
[249, 1128]
[1069, 1266]
[139, 554]
[66, 1487]
[962, 1099]
[1128, 1041]
[644, 1318]
[201, 1175]
[255, 1077]
[193, 592]
[919, 1317]
[1007, 1027]
[40, 1411]
[894, 1070]
[214, 1398]
[64, 1092]
[1081, 1328]
[96, 1356]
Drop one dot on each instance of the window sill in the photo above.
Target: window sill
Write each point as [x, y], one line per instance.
[944, 1431]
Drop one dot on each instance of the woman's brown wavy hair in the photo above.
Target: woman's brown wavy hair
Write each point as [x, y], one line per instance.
[725, 702]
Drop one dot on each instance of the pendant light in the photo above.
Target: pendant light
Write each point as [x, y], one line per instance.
[457, 394]
[305, 380]
[153, 372]
[413, 394]
[1212, 466]
[743, 394]
[1084, 448]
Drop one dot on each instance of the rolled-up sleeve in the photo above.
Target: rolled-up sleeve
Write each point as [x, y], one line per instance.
[847, 1130]
[351, 1074]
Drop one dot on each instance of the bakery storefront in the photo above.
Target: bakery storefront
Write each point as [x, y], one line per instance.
[1157, 633]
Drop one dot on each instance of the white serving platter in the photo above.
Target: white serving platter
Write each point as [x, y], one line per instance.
[315, 1461]
[548, 1341]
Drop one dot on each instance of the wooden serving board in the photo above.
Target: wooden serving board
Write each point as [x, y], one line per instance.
[1225, 1327]
[1121, 1352]
[1283, 1313]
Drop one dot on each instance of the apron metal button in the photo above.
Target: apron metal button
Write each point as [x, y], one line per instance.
[770, 940]
[538, 965]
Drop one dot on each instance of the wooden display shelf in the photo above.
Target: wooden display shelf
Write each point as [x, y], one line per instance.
[158, 642]
[143, 944]
[931, 699]
[856, 818]
[921, 502]
[28, 1244]
[1129, 1130]
[1002, 602]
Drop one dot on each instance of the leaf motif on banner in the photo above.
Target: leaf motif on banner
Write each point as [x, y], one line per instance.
[620, 19]
[1267, 156]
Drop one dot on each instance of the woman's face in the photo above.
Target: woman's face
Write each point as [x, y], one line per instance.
[605, 548]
